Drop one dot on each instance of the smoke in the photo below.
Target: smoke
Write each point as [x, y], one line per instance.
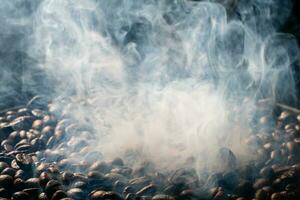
[161, 80]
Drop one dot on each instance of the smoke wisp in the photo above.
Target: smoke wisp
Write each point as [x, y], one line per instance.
[162, 80]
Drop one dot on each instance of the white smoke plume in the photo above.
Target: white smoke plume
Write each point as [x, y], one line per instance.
[164, 80]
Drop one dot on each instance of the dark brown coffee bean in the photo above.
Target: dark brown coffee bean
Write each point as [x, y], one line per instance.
[49, 120]
[32, 183]
[21, 174]
[19, 184]
[148, 190]
[20, 196]
[47, 131]
[6, 159]
[276, 196]
[67, 177]
[102, 195]
[260, 183]
[139, 183]
[95, 175]
[9, 171]
[190, 194]
[4, 193]
[276, 155]
[37, 124]
[219, 196]
[6, 181]
[44, 179]
[100, 166]
[261, 195]
[25, 148]
[52, 186]
[267, 172]
[130, 196]
[3, 165]
[76, 193]
[80, 177]
[5, 130]
[59, 194]
[163, 197]
[24, 161]
[119, 186]
[244, 188]
[23, 111]
[117, 162]
[80, 184]
[125, 171]
[33, 192]
[20, 123]
[8, 147]
[293, 147]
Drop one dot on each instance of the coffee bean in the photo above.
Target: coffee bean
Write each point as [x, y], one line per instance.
[59, 194]
[4, 193]
[20, 196]
[33, 192]
[6, 181]
[163, 197]
[76, 193]
[130, 196]
[148, 190]
[51, 187]
[102, 195]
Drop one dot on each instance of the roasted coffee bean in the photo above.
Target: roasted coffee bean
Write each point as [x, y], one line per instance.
[139, 183]
[293, 147]
[80, 184]
[260, 183]
[76, 193]
[163, 197]
[4, 193]
[19, 184]
[130, 196]
[67, 177]
[3, 165]
[244, 188]
[9, 171]
[21, 174]
[44, 179]
[23, 122]
[52, 186]
[149, 190]
[119, 186]
[102, 195]
[100, 166]
[261, 195]
[267, 172]
[24, 161]
[276, 196]
[33, 192]
[37, 124]
[59, 194]
[6, 181]
[20, 196]
[117, 162]
[32, 183]
[220, 195]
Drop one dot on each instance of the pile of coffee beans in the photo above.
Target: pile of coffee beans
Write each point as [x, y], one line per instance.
[40, 159]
